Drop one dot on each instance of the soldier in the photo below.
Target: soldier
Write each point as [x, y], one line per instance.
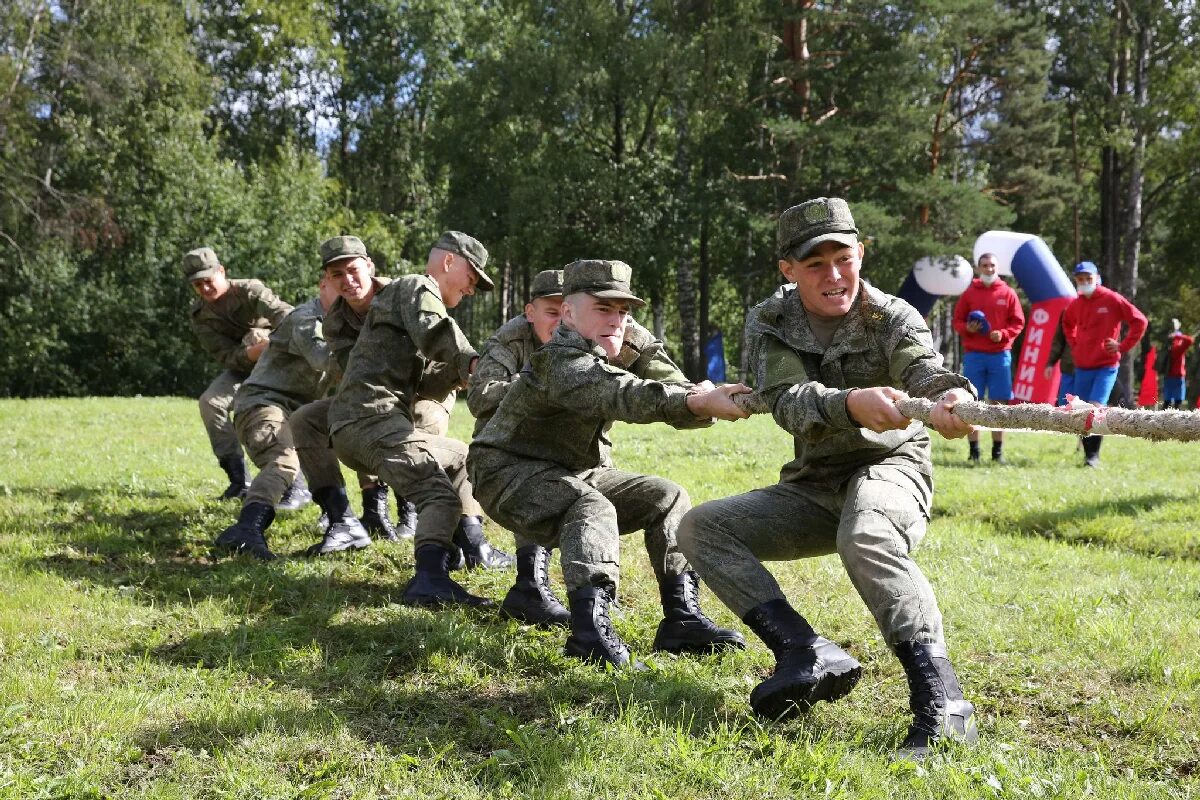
[830, 354]
[406, 329]
[352, 272]
[291, 373]
[232, 319]
[540, 466]
[501, 359]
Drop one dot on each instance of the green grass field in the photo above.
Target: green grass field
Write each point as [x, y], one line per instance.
[132, 666]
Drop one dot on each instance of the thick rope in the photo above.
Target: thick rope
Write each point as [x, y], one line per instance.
[1081, 420]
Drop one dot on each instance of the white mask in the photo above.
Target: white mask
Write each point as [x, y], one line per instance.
[988, 280]
[1086, 289]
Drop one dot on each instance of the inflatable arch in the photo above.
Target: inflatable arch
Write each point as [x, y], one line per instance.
[1028, 260]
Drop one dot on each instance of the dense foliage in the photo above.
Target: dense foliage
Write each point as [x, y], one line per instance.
[667, 133]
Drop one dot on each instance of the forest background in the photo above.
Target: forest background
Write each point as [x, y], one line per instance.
[668, 134]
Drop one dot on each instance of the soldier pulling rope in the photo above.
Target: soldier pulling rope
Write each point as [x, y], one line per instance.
[1080, 419]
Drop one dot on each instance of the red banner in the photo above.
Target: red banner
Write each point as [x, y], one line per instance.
[1029, 381]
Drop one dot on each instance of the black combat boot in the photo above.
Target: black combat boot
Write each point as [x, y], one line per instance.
[475, 548]
[431, 585]
[973, 453]
[375, 514]
[296, 497]
[808, 668]
[531, 599]
[1091, 450]
[239, 481]
[343, 531]
[406, 518]
[997, 452]
[248, 534]
[939, 711]
[593, 637]
[684, 627]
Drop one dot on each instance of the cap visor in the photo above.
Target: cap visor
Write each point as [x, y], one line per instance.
[617, 294]
[201, 274]
[343, 257]
[848, 239]
[485, 283]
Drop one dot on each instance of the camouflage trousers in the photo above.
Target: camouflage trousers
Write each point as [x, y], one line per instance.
[265, 433]
[215, 406]
[430, 471]
[584, 514]
[873, 523]
[319, 462]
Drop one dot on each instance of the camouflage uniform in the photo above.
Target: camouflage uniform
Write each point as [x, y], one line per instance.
[541, 464]
[291, 372]
[406, 329]
[510, 348]
[222, 328]
[863, 495]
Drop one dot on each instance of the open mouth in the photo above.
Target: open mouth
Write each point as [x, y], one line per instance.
[834, 292]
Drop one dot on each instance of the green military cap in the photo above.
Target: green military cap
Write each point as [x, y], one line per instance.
[338, 247]
[472, 250]
[599, 278]
[200, 263]
[803, 227]
[547, 283]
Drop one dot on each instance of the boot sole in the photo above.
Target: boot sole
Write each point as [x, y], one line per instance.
[791, 700]
[681, 646]
[541, 622]
[438, 602]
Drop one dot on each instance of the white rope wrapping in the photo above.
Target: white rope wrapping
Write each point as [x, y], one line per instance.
[1080, 420]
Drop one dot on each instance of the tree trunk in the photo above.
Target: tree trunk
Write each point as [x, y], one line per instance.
[685, 279]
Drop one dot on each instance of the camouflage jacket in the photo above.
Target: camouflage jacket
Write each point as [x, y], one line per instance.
[567, 398]
[406, 329]
[882, 341]
[508, 350]
[293, 369]
[222, 326]
[342, 325]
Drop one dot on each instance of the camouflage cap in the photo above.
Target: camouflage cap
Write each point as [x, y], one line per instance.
[803, 227]
[472, 250]
[338, 247]
[600, 278]
[200, 263]
[547, 283]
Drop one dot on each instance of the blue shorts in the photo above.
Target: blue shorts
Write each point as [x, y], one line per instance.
[990, 374]
[1095, 385]
[1173, 389]
[1066, 386]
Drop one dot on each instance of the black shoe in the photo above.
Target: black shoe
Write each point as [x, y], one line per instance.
[375, 514]
[997, 454]
[940, 713]
[296, 497]
[349, 534]
[431, 585]
[406, 518]
[531, 599]
[1091, 451]
[475, 548]
[808, 668]
[239, 480]
[685, 628]
[593, 637]
[248, 534]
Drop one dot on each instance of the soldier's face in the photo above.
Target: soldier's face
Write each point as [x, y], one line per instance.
[351, 278]
[328, 292]
[599, 319]
[543, 314]
[212, 288]
[827, 278]
[456, 279]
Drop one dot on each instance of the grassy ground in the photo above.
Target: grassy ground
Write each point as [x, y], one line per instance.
[133, 666]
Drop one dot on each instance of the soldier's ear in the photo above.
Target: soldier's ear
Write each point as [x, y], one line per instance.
[787, 269]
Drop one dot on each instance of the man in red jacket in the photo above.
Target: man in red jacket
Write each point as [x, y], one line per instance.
[1091, 324]
[988, 317]
[1174, 385]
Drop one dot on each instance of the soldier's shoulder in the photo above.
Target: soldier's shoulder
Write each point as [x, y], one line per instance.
[637, 335]
[196, 307]
[769, 314]
[889, 309]
[516, 329]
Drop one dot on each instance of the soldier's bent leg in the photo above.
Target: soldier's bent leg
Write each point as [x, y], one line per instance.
[268, 439]
[310, 434]
[215, 405]
[433, 417]
[727, 541]
[589, 540]
[649, 503]
[882, 522]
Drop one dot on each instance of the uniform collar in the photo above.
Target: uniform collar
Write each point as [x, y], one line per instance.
[432, 286]
[851, 335]
[568, 337]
